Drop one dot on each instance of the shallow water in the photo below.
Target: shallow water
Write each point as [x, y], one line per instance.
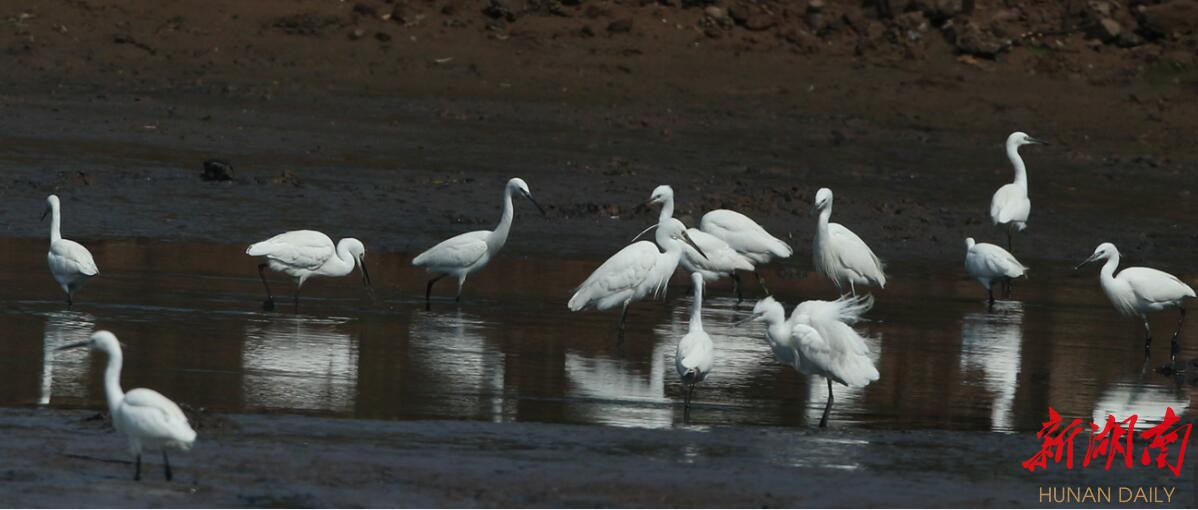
[190, 316]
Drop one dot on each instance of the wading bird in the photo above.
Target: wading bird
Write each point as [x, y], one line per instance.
[818, 340]
[70, 263]
[1140, 290]
[746, 237]
[721, 262]
[464, 254]
[302, 254]
[839, 254]
[1010, 206]
[695, 350]
[638, 270]
[988, 263]
[148, 420]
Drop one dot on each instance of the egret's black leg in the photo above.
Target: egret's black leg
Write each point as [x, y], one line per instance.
[295, 300]
[137, 469]
[428, 291]
[823, 421]
[687, 401]
[166, 466]
[1175, 347]
[990, 292]
[736, 287]
[623, 317]
[1148, 340]
[761, 282]
[69, 300]
[269, 304]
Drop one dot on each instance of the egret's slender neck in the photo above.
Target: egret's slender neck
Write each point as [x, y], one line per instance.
[112, 381]
[55, 234]
[342, 263]
[667, 209]
[696, 323]
[1108, 269]
[1017, 162]
[499, 235]
[824, 215]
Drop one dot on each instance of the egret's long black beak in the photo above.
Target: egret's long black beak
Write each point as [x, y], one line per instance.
[1037, 140]
[365, 273]
[686, 237]
[638, 236]
[745, 320]
[534, 202]
[72, 346]
[1084, 262]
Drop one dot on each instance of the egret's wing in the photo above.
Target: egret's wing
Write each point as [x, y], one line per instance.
[624, 271]
[1009, 204]
[459, 251]
[1155, 286]
[837, 350]
[994, 260]
[74, 257]
[304, 249]
[720, 255]
[152, 415]
[742, 233]
[854, 254]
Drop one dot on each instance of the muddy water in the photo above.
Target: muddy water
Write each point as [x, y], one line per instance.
[190, 316]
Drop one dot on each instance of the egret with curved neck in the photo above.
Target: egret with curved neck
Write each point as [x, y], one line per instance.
[721, 260]
[464, 254]
[302, 254]
[70, 263]
[839, 254]
[147, 419]
[1010, 205]
[1141, 290]
[693, 358]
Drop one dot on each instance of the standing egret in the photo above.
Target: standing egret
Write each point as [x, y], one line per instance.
[988, 263]
[695, 350]
[638, 270]
[148, 420]
[461, 255]
[839, 254]
[722, 261]
[302, 254]
[746, 237]
[70, 263]
[1010, 206]
[818, 340]
[1139, 290]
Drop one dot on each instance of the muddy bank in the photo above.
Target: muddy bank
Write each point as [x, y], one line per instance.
[61, 458]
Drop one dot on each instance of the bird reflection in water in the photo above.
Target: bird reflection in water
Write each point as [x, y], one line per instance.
[990, 344]
[300, 363]
[65, 328]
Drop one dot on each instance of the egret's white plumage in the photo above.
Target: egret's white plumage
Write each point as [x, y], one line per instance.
[722, 260]
[819, 340]
[988, 263]
[637, 271]
[1141, 290]
[70, 263]
[461, 255]
[746, 237]
[695, 351]
[147, 419]
[302, 254]
[839, 254]
[1010, 205]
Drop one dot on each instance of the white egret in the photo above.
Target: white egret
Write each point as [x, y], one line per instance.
[839, 254]
[746, 237]
[70, 263]
[1140, 290]
[148, 420]
[988, 263]
[464, 254]
[721, 262]
[818, 340]
[695, 350]
[1011, 206]
[638, 270]
[302, 254]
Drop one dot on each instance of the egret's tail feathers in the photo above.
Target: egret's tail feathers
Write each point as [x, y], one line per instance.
[742, 263]
[577, 302]
[257, 250]
[780, 249]
[851, 309]
[420, 260]
[858, 370]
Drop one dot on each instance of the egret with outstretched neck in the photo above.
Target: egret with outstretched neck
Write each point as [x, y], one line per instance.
[147, 419]
[70, 263]
[302, 254]
[746, 237]
[695, 351]
[1010, 205]
[1141, 290]
[464, 254]
[721, 261]
[988, 263]
[818, 339]
[638, 270]
[839, 254]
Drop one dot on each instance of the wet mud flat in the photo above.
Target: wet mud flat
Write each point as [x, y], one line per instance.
[67, 458]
